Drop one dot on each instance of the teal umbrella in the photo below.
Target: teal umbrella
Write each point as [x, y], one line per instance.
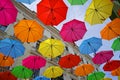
[22, 72]
[96, 76]
[77, 2]
[116, 44]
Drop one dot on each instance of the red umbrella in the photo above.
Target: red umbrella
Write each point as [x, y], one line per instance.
[7, 76]
[51, 12]
[73, 30]
[69, 61]
[111, 65]
[8, 12]
[102, 56]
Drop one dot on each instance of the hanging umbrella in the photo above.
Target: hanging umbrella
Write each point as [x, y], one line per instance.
[69, 61]
[10, 47]
[90, 45]
[53, 72]
[111, 65]
[8, 12]
[116, 45]
[116, 72]
[96, 76]
[51, 12]
[34, 62]
[6, 60]
[41, 78]
[22, 72]
[98, 11]
[26, 1]
[84, 70]
[51, 48]
[28, 30]
[106, 79]
[75, 28]
[77, 2]
[111, 30]
[102, 57]
[7, 76]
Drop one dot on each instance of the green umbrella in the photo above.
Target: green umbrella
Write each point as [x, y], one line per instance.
[96, 76]
[22, 72]
[77, 2]
[116, 44]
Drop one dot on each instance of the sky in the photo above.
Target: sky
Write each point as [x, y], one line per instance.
[78, 12]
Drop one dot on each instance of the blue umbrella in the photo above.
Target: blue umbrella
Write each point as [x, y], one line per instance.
[26, 1]
[90, 45]
[41, 78]
[10, 47]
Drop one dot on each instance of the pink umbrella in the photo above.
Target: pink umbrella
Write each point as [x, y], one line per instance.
[102, 57]
[34, 62]
[8, 12]
[73, 30]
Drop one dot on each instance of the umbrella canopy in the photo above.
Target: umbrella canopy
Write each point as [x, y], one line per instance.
[34, 62]
[116, 45]
[51, 48]
[26, 1]
[53, 72]
[98, 11]
[6, 60]
[7, 76]
[41, 78]
[75, 28]
[10, 47]
[22, 72]
[111, 30]
[84, 70]
[102, 57]
[8, 12]
[69, 61]
[96, 76]
[111, 65]
[51, 12]
[28, 30]
[116, 72]
[77, 2]
[106, 79]
[90, 45]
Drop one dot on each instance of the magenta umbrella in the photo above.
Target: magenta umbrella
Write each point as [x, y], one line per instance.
[73, 30]
[34, 62]
[8, 12]
[102, 57]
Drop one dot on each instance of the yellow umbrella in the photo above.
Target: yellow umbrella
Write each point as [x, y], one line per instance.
[53, 72]
[106, 79]
[51, 48]
[98, 11]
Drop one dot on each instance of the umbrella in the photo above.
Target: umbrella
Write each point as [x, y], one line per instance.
[28, 30]
[116, 72]
[111, 30]
[69, 61]
[116, 44]
[6, 60]
[41, 78]
[77, 2]
[75, 28]
[84, 70]
[98, 11]
[51, 12]
[111, 65]
[53, 72]
[7, 76]
[22, 72]
[8, 12]
[90, 45]
[106, 79]
[10, 47]
[34, 62]
[26, 1]
[51, 48]
[96, 76]
[102, 57]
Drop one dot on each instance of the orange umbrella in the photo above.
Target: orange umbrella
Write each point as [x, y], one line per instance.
[111, 30]
[84, 69]
[116, 72]
[28, 30]
[6, 60]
